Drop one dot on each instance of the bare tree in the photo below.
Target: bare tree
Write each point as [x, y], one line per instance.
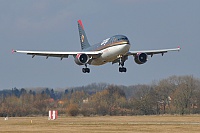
[184, 94]
[164, 89]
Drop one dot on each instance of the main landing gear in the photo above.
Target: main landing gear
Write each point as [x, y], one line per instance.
[86, 70]
[121, 64]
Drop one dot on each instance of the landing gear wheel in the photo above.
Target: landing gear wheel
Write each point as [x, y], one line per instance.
[85, 70]
[122, 69]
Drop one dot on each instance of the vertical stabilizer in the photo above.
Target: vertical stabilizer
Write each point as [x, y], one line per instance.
[83, 38]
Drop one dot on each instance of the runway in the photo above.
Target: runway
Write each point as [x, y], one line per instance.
[103, 124]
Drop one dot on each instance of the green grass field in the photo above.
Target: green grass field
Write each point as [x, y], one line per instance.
[103, 124]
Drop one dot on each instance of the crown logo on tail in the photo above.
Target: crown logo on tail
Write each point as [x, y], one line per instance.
[82, 38]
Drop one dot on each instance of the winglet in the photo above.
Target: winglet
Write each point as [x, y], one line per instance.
[179, 48]
[13, 51]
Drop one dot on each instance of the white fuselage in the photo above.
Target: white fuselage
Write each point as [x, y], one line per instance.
[111, 53]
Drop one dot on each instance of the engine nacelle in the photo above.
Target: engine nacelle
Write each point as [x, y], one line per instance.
[141, 58]
[81, 59]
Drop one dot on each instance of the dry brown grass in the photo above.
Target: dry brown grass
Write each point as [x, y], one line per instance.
[106, 124]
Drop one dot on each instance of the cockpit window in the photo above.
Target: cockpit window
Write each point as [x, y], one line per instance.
[124, 38]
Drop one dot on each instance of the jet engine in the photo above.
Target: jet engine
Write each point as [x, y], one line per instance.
[81, 59]
[140, 58]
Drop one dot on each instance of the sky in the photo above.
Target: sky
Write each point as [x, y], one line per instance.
[52, 25]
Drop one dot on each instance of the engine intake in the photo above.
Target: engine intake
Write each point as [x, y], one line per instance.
[141, 58]
[81, 59]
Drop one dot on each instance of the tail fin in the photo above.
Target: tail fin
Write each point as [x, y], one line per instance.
[83, 38]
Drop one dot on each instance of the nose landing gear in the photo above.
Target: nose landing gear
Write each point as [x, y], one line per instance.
[121, 64]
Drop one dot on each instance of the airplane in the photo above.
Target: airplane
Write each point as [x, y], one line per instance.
[114, 49]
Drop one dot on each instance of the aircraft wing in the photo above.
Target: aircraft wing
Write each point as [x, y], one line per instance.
[152, 52]
[61, 55]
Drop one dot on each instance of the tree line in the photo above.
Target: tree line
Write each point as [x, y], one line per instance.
[173, 95]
